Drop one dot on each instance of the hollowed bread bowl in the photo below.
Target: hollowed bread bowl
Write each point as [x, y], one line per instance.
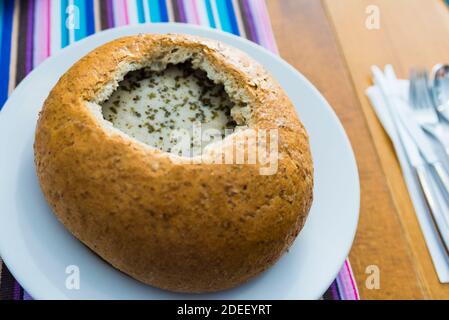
[181, 223]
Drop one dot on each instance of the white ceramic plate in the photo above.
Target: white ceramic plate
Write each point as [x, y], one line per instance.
[37, 248]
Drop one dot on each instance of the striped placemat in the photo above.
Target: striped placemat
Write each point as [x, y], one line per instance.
[32, 30]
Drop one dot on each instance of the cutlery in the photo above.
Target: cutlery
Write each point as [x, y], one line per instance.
[440, 89]
[425, 110]
[407, 118]
[440, 133]
[416, 160]
[420, 98]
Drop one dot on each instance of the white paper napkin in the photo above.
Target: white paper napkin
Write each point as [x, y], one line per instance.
[434, 244]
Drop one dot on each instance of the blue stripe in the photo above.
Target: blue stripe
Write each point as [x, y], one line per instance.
[80, 32]
[232, 17]
[1, 22]
[210, 15]
[163, 10]
[7, 17]
[140, 12]
[64, 30]
[154, 10]
[90, 17]
[223, 14]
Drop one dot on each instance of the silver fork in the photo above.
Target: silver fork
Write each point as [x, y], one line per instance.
[425, 113]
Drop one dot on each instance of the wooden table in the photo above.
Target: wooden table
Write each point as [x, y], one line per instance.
[328, 41]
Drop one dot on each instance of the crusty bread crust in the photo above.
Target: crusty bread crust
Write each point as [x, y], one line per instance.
[181, 227]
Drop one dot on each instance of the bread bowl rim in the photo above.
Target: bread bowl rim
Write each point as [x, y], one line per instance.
[296, 125]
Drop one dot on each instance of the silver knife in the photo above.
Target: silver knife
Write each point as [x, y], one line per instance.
[414, 129]
[424, 146]
[418, 163]
[424, 177]
[441, 133]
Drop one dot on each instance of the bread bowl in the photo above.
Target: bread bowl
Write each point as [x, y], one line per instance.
[185, 223]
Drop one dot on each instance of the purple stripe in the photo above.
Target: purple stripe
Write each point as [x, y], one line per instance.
[181, 11]
[110, 13]
[334, 291]
[346, 284]
[26, 296]
[10, 288]
[17, 291]
[29, 38]
[250, 20]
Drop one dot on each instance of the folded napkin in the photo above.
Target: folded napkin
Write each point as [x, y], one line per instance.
[434, 244]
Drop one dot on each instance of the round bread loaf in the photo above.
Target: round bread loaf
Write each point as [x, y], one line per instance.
[178, 222]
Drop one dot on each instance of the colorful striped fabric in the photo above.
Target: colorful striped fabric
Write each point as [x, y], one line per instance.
[32, 30]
